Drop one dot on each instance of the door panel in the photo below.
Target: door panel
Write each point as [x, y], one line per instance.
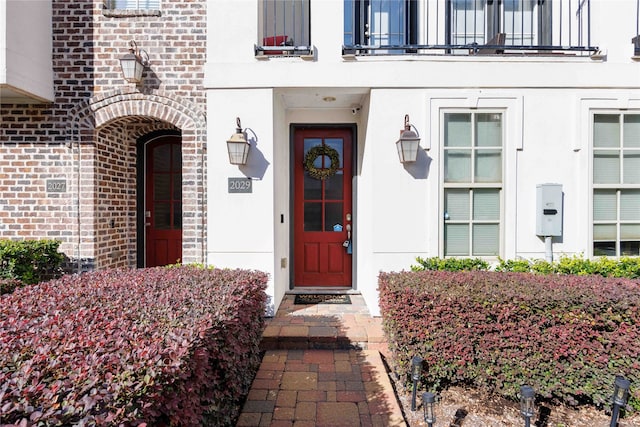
[163, 201]
[322, 205]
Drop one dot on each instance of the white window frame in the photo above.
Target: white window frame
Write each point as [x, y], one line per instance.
[471, 186]
[134, 4]
[616, 188]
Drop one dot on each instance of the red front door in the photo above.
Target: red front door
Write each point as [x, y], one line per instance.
[322, 206]
[163, 209]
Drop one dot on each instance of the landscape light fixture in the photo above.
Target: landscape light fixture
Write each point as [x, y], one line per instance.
[429, 408]
[619, 399]
[238, 146]
[416, 371]
[133, 63]
[408, 143]
[527, 403]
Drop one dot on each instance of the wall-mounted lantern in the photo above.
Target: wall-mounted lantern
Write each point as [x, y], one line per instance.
[238, 146]
[133, 63]
[408, 143]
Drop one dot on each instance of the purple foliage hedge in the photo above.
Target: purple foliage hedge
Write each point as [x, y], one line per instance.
[566, 336]
[161, 346]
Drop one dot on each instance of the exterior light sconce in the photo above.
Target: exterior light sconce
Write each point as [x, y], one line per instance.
[408, 143]
[429, 408]
[238, 146]
[416, 371]
[527, 404]
[133, 63]
[620, 397]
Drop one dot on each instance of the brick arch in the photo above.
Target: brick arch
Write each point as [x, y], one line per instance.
[148, 112]
[105, 108]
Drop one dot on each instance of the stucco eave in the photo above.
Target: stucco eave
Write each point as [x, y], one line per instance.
[293, 72]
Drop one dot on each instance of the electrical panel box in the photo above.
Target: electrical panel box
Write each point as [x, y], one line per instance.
[549, 210]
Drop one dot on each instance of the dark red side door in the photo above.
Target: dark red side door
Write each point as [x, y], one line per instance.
[163, 201]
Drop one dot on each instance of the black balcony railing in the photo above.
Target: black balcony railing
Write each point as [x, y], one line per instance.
[468, 27]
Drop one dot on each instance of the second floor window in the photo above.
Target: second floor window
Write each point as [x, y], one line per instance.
[380, 22]
[284, 23]
[523, 22]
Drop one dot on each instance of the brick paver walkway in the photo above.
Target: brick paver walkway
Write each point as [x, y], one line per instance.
[322, 367]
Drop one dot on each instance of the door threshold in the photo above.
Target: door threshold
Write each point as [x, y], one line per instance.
[328, 290]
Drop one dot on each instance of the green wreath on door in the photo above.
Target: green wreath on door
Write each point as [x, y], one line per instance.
[313, 154]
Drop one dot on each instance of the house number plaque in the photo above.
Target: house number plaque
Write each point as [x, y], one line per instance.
[239, 185]
[56, 186]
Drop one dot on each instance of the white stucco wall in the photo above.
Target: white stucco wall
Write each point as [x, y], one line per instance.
[25, 48]
[547, 104]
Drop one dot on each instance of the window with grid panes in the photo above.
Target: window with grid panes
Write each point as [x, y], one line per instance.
[472, 183]
[616, 184]
[134, 4]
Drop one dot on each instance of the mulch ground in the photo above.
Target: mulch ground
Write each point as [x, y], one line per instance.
[460, 407]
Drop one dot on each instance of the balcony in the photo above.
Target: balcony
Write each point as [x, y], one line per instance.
[468, 27]
[435, 27]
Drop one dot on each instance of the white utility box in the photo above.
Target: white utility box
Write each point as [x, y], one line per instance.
[549, 210]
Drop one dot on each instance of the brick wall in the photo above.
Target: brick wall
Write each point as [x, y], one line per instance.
[88, 136]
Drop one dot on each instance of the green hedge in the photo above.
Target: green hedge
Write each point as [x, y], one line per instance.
[29, 261]
[568, 336]
[626, 267]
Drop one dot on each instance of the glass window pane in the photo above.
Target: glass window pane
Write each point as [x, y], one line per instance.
[310, 143]
[489, 130]
[312, 187]
[313, 217]
[177, 215]
[630, 232]
[162, 158]
[604, 205]
[519, 22]
[631, 131]
[468, 22]
[333, 215]
[176, 157]
[630, 205]
[456, 239]
[604, 248]
[349, 24]
[456, 204]
[630, 248]
[336, 144]
[488, 166]
[604, 232]
[333, 187]
[177, 186]
[606, 167]
[457, 165]
[162, 216]
[606, 130]
[457, 130]
[161, 186]
[486, 204]
[485, 239]
[631, 167]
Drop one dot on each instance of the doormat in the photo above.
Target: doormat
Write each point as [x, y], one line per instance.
[322, 299]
